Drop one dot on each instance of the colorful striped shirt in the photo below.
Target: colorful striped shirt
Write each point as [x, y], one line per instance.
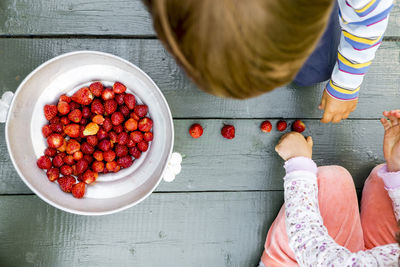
[363, 24]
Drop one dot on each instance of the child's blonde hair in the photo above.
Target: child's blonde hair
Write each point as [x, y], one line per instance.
[240, 48]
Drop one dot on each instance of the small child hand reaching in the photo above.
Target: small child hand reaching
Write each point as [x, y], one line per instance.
[293, 145]
[391, 141]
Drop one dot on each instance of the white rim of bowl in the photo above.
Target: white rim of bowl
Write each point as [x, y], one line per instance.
[48, 200]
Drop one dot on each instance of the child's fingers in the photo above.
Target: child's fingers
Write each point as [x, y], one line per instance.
[327, 117]
[385, 123]
[392, 117]
[322, 103]
[310, 141]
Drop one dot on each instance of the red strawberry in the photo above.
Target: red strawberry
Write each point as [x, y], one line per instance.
[121, 151]
[134, 116]
[65, 98]
[228, 131]
[53, 174]
[98, 119]
[92, 140]
[118, 128]
[113, 136]
[78, 190]
[96, 88]
[54, 120]
[119, 88]
[66, 183]
[57, 127]
[81, 166]
[83, 96]
[55, 140]
[58, 161]
[281, 125]
[117, 118]
[87, 149]
[130, 101]
[145, 124]
[98, 155]
[136, 136]
[97, 107]
[89, 177]
[50, 111]
[44, 162]
[86, 113]
[124, 110]
[46, 130]
[98, 166]
[107, 124]
[72, 130]
[143, 146]
[148, 136]
[66, 170]
[266, 126]
[50, 152]
[65, 120]
[131, 125]
[125, 161]
[113, 166]
[141, 110]
[75, 115]
[74, 105]
[196, 130]
[109, 155]
[105, 145]
[69, 160]
[123, 138]
[78, 155]
[298, 126]
[107, 94]
[63, 147]
[120, 99]
[101, 134]
[135, 152]
[88, 158]
[130, 143]
[83, 121]
[63, 107]
[72, 146]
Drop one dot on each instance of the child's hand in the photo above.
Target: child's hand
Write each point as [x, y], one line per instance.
[336, 110]
[391, 141]
[294, 145]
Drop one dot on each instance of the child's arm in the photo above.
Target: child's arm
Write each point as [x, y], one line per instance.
[363, 24]
[307, 235]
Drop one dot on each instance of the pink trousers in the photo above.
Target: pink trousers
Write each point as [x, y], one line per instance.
[375, 226]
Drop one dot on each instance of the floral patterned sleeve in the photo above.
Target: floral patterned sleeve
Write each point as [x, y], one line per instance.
[309, 238]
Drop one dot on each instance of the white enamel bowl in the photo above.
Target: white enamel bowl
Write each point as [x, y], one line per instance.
[66, 74]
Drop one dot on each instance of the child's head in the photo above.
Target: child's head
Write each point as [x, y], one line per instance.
[240, 48]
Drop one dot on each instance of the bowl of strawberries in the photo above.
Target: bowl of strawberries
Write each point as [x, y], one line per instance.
[90, 133]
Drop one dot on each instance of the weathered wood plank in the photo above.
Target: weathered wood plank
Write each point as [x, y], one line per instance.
[92, 17]
[197, 229]
[248, 162]
[18, 57]
[76, 17]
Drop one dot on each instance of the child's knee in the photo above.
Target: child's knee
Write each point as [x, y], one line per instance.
[335, 175]
[374, 177]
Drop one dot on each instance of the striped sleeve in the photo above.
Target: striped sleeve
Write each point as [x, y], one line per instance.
[363, 24]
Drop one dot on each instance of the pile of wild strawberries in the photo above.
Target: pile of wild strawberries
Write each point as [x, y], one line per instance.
[228, 131]
[96, 130]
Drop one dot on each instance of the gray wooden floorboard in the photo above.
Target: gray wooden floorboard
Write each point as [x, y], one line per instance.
[380, 89]
[92, 17]
[248, 162]
[197, 229]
